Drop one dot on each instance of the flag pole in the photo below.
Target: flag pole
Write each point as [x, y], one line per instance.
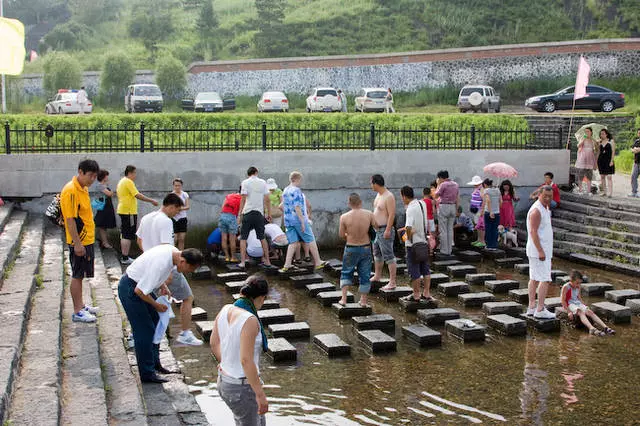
[573, 107]
[4, 79]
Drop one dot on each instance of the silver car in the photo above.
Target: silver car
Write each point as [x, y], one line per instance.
[371, 100]
[478, 98]
[273, 101]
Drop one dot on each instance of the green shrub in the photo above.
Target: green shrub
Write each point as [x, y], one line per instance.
[61, 71]
[117, 74]
[624, 161]
[171, 77]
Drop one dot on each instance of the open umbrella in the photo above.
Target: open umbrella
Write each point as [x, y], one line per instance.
[501, 170]
[595, 128]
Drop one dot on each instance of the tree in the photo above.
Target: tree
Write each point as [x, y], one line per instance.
[61, 71]
[207, 29]
[171, 76]
[269, 38]
[152, 22]
[94, 12]
[117, 74]
[68, 36]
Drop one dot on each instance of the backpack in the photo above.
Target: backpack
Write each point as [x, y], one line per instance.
[54, 212]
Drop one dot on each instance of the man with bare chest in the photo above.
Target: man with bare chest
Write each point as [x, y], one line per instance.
[384, 212]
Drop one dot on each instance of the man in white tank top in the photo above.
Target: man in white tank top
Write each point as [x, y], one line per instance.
[540, 252]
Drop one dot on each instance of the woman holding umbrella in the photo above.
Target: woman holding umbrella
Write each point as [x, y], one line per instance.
[492, 200]
[586, 162]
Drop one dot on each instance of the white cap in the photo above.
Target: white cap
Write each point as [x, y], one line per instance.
[271, 184]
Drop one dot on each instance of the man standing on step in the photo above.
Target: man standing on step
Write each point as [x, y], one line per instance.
[156, 228]
[128, 197]
[448, 194]
[255, 196]
[384, 212]
[540, 252]
[635, 149]
[80, 231]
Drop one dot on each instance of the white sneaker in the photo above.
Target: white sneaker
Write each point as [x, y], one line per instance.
[91, 309]
[531, 311]
[187, 338]
[544, 314]
[83, 316]
[126, 260]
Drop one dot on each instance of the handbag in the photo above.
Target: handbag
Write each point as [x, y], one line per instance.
[420, 250]
[97, 204]
[53, 212]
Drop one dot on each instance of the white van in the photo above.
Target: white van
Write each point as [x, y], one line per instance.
[143, 98]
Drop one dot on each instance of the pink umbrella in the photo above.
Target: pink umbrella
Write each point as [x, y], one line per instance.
[501, 170]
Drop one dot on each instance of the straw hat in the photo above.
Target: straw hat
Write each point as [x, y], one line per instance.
[271, 184]
[477, 180]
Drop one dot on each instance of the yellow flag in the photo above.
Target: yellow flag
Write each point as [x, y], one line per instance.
[12, 51]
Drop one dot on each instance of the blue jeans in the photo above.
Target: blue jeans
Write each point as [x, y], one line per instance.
[491, 230]
[241, 400]
[356, 258]
[634, 178]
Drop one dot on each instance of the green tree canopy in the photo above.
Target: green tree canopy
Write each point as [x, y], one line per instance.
[61, 71]
[171, 76]
[269, 38]
[152, 22]
[207, 29]
[117, 74]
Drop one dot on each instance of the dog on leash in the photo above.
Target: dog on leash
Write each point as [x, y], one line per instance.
[509, 237]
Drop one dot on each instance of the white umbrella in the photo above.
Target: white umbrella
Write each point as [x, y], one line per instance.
[595, 128]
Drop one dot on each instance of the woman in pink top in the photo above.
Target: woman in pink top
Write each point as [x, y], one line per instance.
[586, 162]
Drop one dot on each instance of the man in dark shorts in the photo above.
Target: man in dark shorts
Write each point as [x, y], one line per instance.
[80, 231]
[255, 197]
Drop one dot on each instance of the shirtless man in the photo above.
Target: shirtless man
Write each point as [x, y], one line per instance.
[354, 228]
[384, 212]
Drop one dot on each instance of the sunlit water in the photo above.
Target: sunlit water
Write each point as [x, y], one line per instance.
[558, 378]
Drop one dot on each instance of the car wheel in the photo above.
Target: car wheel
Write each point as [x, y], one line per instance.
[549, 106]
[308, 109]
[60, 111]
[607, 106]
[46, 110]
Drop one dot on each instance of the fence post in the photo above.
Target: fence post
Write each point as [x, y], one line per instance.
[264, 135]
[7, 138]
[141, 137]
[372, 137]
[473, 136]
[560, 139]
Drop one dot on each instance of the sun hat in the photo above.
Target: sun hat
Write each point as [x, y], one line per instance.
[477, 180]
[271, 184]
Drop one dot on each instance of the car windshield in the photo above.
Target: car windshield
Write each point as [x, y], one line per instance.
[148, 91]
[565, 90]
[469, 90]
[208, 96]
[273, 95]
[325, 92]
[377, 94]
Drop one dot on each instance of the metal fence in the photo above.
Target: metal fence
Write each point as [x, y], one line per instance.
[48, 139]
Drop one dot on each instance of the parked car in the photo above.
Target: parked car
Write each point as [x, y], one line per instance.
[208, 102]
[324, 99]
[273, 101]
[478, 98]
[143, 98]
[371, 100]
[597, 99]
[66, 102]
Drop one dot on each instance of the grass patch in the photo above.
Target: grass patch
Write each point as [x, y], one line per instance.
[624, 161]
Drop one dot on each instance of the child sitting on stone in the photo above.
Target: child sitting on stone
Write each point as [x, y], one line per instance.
[573, 304]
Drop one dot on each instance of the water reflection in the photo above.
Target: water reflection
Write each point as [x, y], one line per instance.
[535, 388]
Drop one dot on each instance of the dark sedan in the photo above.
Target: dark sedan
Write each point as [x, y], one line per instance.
[597, 99]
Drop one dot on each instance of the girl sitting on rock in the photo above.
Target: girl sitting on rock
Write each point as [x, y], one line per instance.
[573, 304]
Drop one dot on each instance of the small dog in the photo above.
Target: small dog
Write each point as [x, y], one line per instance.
[508, 236]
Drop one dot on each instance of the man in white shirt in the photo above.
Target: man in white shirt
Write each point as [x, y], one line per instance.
[255, 198]
[273, 233]
[150, 271]
[156, 228]
[82, 99]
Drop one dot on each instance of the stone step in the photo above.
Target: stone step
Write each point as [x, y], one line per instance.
[301, 281]
[441, 256]
[508, 262]
[596, 221]
[479, 279]
[470, 256]
[314, 289]
[268, 303]
[437, 316]
[470, 300]
[493, 253]
[332, 345]
[621, 296]
[460, 329]
[5, 214]
[377, 341]
[332, 263]
[593, 240]
[292, 330]
[543, 325]
[520, 295]
[567, 248]
[276, 316]
[378, 284]
[501, 286]
[233, 267]
[439, 278]
[204, 328]
[614, 204]
[231, 276]
[374, 322]
[552, 302]
[453, 288]
[334, 271]
[609, 234]
[522, 268]
[507, 325]
[202, 273]
[10, 238]
[351, 310]
[395, 294]
[613, 312]
[516, 251]
[293, 271]
[611, 210]
[460, 271]
[555, 273]
[412, 306]
[634, 305]
[401, 268]
[328, 298]
[562, 280]
[595, 289]
[422, 335]
[442, 265]
[604, 263]
[234, 286]
[198, 314]
[500, 308]
[280, 350]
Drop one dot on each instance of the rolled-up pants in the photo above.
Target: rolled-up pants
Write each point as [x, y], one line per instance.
[446, 220]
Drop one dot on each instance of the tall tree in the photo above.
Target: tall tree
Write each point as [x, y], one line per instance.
[152, 22]
[269, 40]
[207, 29]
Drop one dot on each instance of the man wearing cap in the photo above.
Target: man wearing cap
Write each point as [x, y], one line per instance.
[275, 198]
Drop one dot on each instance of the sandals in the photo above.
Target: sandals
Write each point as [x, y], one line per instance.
[410, 298]
[595, 332]
[388, 287]
[609, 331]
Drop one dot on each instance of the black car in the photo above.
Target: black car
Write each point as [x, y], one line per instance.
[597, 99]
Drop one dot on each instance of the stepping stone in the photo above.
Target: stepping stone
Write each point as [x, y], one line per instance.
[198, 314]
[332, 345]
[563, 316]
[507, 325]
[595, 289]
[458, 328]
[516, 252]
[506, 308]
[440, 257]
[520, 295]
[501, 286]
[412, 306]
[233, 267]
[555, 273]
[204, 328]
[395, 294]
[377, 285]
[234, 286]
[479, 279]
[268, 303]
[442, 265]
[453, 288]
[634, 305]
[292, 330]
[470, 256]
[231, 276]
[613, 312]
[271, 270]
[439, 278]
[621, 296]
[552, 302]
[328, 298]
[291, 272]
[334, 271]
[522, 268]
[201, 273]
[507, 262]
[351, 310]
[475, 299]
[377, 341]
[543, 325]
[374, 322]
[437, 316]
[401, 268]
[493, 253]
[276, 316]
[422, 335]
[460, 271]
[314, 289]
[562, 280]
[300, 281]
[281, 350]
[332, 263]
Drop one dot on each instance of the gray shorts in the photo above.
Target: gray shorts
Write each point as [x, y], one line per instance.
[383, 247]
[179, 287]
[241, 399]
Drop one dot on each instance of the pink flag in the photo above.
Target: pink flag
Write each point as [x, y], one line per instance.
[582, 79]
[33, 56]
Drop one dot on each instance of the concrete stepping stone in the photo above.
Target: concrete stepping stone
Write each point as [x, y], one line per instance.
[201, 273]
[453, 288]
[460, 271]
[442, 265]
[268, 303]
[475, 299]
[378, 284]
[562, 280]
[374, 322]
[437, 316]
[522, 268]
[458, 328]
[292, 330]
[501, 286]
[621, 296]
[412, 306]
[516, 251]
[328, 298]
[332, 263]
[234, 286]
[204, 328]
[634, 305]
[314, 289]
[280, 350]
[470, 256]
[506, 308]
[276, 316]
[439, 278]
[595, 289]
[493, 253]
[332, 345]
[301, 281]
[555, 273]
[401, 268]
[351, 310]
[334, 271]
[231, 276]
[507, 262]
[233, 267]
[377, 341]
[291, 272]
[198, 314]
[552, 302]
[613, 312]
[479, 279]
[507, 325]
[422, 335]
[543, 325]
[395, 294]
[520, 295]
[563, 316]
[440, 257]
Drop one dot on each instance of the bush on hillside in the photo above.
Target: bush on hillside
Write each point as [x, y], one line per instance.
[171, 76]
[61, 71]
[117, 74]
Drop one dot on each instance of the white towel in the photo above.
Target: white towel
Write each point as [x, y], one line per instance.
[163, 322]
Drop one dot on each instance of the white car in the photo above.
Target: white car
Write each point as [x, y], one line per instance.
[371, 100]
[273, 101]
[324, 99]
[66, 102]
